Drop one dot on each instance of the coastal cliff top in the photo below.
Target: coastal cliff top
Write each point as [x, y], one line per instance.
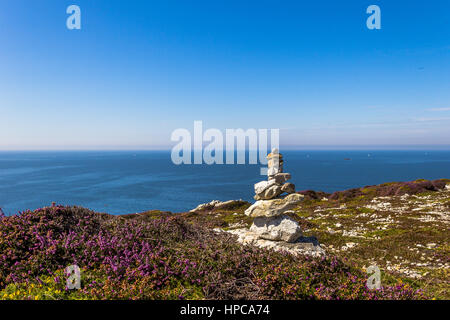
[400, 227]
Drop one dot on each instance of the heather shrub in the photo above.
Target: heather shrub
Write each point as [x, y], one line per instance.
[167, 258]
[391, 189]
[346, 195]
[313, 195]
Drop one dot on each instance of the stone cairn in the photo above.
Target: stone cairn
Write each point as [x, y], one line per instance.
[271, 222]
[272, 228]
[276, 183]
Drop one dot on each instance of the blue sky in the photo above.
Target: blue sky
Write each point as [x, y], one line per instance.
[137, 70]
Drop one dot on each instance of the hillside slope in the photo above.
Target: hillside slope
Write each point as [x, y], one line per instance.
[160, 255]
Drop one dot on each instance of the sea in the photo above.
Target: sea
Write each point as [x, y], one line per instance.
[122, 182]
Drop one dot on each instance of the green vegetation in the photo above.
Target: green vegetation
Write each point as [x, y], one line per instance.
[160, 255]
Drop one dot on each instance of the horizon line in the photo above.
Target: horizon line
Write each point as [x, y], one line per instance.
[378, 147]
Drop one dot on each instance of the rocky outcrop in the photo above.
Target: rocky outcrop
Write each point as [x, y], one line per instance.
[279, 228]
[206, 206]
[302, 246]
[219, 205]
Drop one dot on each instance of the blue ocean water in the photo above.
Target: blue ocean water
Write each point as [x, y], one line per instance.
[135, 181]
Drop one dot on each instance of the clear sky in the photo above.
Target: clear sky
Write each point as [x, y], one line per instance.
[137, 70]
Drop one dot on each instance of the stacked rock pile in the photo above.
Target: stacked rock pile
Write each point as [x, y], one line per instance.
[272, 228]
[271, 222]
[276, 183]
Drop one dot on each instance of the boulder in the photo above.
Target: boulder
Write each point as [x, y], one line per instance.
[288, 188]
[205, 206]
[281, 178]
[303, 246]
[270, 193]
[216, 204]
[279, 228]
[260, 187]
[274, 207]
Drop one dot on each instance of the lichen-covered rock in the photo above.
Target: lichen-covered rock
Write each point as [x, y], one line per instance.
[260, 187]
[216, 204]
[206, 206]
[303, 246]
[279, 228]
[270, 193]
[274, 207]
[281, 178]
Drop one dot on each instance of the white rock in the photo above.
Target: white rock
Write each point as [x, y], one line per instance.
[260, 187]
[270, 193]
[206, 206]
[303, 246]
[216, 204]
[272, 171]
[280, 228]
[348, 245]
[275, 207]
[281, 178]
[229, 204]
